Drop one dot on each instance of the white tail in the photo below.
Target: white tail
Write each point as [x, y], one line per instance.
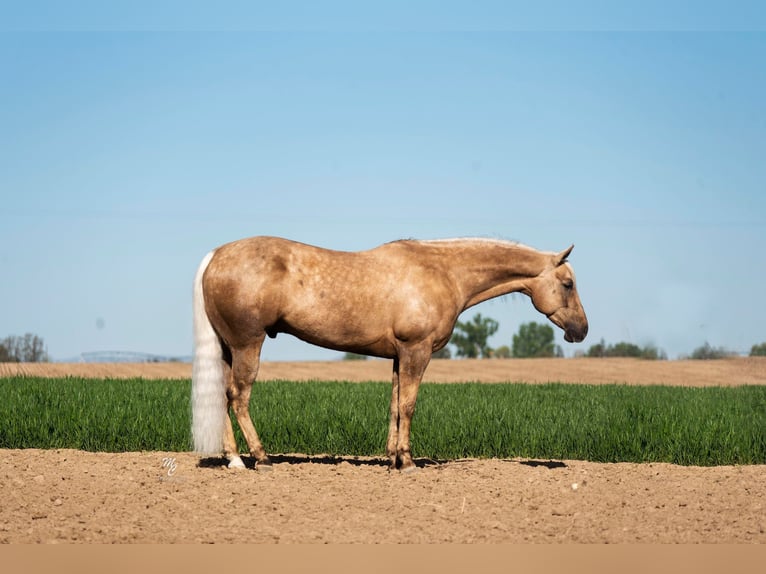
[208, 387]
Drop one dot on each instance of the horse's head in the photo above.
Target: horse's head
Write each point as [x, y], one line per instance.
[554, 294]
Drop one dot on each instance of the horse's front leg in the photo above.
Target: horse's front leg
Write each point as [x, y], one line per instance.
[393, 425]
[412, 365]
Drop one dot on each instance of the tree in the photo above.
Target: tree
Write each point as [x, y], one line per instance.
[623, 349]
[758, 350]
[503, 352]
[471, 337]
[652, 353]
[27, 349]
[598, 350]
[535, 340]
[354, 357]
[707, 352]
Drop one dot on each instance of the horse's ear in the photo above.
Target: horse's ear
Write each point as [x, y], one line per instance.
[562, 257]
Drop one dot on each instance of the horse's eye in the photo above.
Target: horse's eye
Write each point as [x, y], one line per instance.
[568, 283]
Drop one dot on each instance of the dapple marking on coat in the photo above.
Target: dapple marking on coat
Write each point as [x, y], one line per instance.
[398, 301]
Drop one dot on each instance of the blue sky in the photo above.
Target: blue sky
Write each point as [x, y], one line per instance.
[129, 147]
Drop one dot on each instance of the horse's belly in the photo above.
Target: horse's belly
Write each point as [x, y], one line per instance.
[342, 331]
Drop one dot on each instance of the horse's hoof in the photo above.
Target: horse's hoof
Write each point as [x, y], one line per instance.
[411, 469]
[236, 462]
[263, 467]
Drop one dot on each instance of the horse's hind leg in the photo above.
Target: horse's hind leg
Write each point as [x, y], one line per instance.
[244, 367]
[230, 449]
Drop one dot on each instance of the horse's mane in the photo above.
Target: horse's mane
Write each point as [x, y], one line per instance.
[475, 240]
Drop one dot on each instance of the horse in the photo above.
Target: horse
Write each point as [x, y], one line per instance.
[398, 301]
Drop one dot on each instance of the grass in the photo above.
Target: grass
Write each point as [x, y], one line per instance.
[94, 415]
[603, 423]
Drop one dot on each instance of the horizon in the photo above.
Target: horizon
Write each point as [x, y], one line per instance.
[116, 356]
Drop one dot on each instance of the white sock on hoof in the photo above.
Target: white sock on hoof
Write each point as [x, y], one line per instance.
[236, 462]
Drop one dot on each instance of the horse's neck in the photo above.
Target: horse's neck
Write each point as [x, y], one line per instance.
[488, 269]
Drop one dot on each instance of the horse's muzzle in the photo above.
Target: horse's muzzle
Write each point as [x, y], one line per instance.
[574, 325]
[575, 335]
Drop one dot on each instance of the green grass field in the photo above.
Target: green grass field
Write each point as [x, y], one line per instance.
[602, 423]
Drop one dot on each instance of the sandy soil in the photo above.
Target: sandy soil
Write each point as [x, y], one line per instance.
[73, 496]
[80, 497]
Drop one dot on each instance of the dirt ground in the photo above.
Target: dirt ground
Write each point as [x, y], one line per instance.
[68, 496]
[73, 496]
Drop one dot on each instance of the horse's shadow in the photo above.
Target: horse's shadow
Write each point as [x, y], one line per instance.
[333, 460]
[549, 464]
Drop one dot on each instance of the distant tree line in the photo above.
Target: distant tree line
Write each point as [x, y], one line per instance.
[27, 349]
[623, 349]
[470, 340]
[704, 352]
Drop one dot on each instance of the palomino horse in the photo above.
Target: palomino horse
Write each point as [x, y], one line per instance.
[398, 301]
